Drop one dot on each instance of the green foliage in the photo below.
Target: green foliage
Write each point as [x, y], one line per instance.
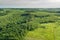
[16, 23]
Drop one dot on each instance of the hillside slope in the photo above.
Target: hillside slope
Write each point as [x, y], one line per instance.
[18, 24]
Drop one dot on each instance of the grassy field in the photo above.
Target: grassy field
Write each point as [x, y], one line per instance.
[49, 33]
[46, 31]
[29, 24]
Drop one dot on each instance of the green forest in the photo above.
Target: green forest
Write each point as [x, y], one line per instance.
[29, 23]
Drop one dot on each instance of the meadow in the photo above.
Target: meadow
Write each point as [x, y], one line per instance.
[29, 24]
